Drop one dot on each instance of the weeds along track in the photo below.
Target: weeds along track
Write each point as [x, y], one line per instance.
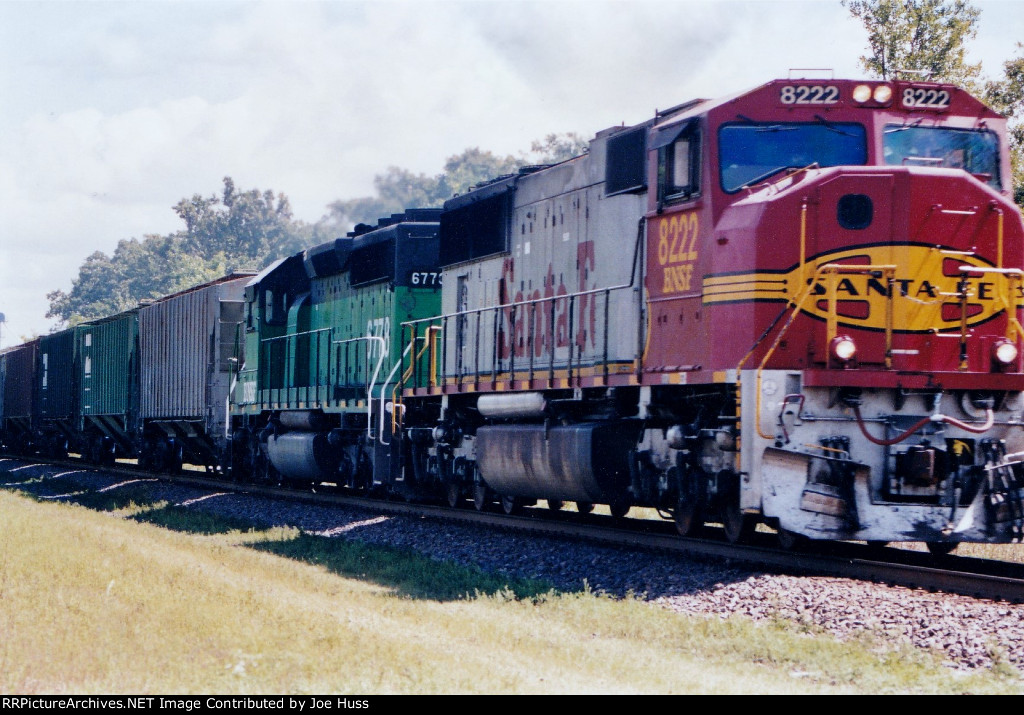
[979, 578]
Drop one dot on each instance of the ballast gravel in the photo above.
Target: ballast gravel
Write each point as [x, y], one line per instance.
[968, 632]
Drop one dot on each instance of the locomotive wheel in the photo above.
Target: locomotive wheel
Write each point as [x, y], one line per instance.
[619, 509]
[511, 505]
[555, 504]
[453, 494]
[584, 507]
[689, 512]
[789, 540]
[480, 496]
[739, 527]
[688, 517]
[941, 548]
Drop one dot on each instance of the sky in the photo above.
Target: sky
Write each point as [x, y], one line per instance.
[111, 112]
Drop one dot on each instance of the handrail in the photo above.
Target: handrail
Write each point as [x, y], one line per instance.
[426, 345]
[534, 304]
[383, 392]
[1014, 330]
[289, 339]
[503, 306]
[1015, 278]
[373, 380]
[831, 270]
[295, 335]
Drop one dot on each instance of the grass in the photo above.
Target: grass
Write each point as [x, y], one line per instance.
[167, 601]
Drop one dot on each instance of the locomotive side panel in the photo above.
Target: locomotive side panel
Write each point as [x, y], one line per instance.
[547, 311]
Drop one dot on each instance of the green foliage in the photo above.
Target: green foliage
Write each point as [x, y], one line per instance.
[236, 230]
[248, 225]
[930, 36]
[398, 189]
[1006, 95]
[927, 36]
[249, 229]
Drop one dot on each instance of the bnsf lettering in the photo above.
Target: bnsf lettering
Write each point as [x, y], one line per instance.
[677, 279]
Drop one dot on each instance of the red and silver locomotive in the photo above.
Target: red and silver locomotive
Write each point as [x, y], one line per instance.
[798, 305]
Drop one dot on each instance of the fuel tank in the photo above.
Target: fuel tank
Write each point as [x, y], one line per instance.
[586, 462]
[302, 455]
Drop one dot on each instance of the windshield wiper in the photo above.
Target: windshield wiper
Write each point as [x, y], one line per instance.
[832, 127]
[904, 127]
[773, 172]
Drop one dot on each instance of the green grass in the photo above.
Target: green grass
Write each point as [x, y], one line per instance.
[95, 604]
[404, 572]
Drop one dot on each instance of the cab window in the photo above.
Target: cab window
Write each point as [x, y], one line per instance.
[679, 166]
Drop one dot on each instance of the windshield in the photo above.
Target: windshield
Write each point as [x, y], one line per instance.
[752, 152]
[976, 152]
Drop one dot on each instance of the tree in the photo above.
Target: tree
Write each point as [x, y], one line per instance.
[236, 230]
[930, 36]
[250, 225]
[398, 189]
[1006, 95]
[927, 36]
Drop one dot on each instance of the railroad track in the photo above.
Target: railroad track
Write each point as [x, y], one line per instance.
[979, 578]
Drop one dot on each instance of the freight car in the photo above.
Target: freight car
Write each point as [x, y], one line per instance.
[189, 345]
[107, 372]
[151, 383]
[17, 370]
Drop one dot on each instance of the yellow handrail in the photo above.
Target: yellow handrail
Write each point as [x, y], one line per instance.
[831, 271]
[417, 355]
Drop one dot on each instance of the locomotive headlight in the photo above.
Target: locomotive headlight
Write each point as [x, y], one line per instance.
[1004, 352]
[883, 93]
[843, 348]
[861, 93]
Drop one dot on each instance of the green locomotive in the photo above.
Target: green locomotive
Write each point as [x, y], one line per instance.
[315, 397]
